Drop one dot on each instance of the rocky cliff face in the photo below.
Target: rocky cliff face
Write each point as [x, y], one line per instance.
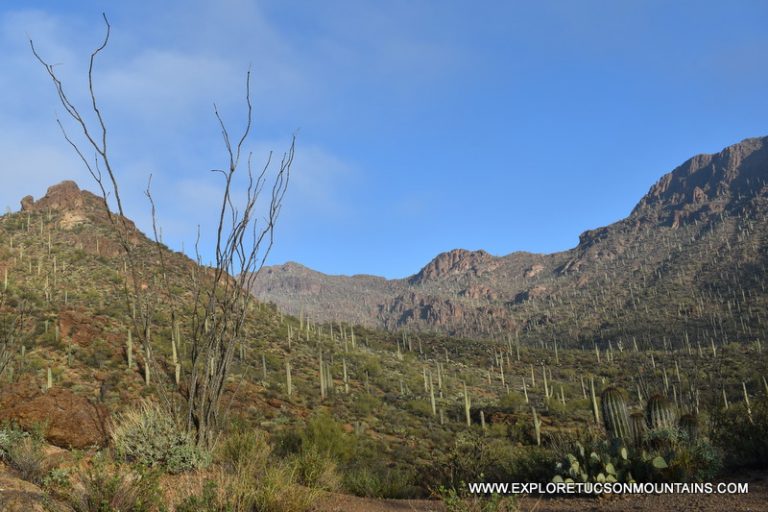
[708, 184]
[457, 262]
[700, 228]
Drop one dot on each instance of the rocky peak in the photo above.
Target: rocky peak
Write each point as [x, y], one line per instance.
[708, 183]
[457, 261]
[66, 196]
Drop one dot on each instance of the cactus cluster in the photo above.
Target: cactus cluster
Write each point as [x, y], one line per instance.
[660, 415]
[613, 464]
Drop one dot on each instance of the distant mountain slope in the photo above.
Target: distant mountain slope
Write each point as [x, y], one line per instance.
[692, 249]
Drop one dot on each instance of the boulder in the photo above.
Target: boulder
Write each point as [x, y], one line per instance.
[68, 420]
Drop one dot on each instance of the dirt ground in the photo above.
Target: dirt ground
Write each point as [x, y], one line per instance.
[755, 501]
[19, 496]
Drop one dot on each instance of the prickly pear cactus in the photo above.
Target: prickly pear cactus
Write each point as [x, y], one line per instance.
[660, 413]
[610, 464]
[615, 414]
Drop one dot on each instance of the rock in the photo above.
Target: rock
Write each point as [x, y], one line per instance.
[71, 219]
[532, 293]
[64, 196]
[80, 327]
[479, 292]
[534, 270]
[69, 420]
[455, 262]
[17, 495]
[27, 203]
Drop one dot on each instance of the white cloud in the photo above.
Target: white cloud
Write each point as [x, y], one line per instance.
[157, 82]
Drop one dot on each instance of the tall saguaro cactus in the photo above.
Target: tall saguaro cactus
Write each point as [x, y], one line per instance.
[467, 406]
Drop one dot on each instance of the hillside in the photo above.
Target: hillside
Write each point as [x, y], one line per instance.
[692, 250]
[333, 405]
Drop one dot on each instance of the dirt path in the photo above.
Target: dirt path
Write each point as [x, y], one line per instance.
[755, 501]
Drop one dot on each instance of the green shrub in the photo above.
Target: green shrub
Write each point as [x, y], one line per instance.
[475, 457]
[108, 487]
[460, 501]
[149, 436]
[381, 482]
[744, 443]
[365, 404]
[57, 480]
[278, 491]
[529, 464]
[316, 469]
[245, 448]
[9, 437]
[324, 435]
[697, 461]
[252, 479]
[207, 501]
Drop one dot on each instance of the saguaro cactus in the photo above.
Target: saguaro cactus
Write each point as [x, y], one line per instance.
[595, 409]
[689, 423]
[637, 426]
[659, 413]
[288, 384]
[615, 414]
[467, 406]
[536, 426]
[129, 349]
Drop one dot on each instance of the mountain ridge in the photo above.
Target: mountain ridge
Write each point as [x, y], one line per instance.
[456, 289]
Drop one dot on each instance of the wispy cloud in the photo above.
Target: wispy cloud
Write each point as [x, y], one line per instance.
[158, 103]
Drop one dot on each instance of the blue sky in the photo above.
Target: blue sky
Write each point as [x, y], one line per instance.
[422, 126]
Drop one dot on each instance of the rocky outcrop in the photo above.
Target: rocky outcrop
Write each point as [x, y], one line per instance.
[68, 420]
[64, 196]
[455, 262]
[17, 495]
[532, 293]
[74, 207]
[708, 184]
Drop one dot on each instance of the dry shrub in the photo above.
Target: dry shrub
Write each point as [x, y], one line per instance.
[106, 486]
[249, 478]
[27, 457]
